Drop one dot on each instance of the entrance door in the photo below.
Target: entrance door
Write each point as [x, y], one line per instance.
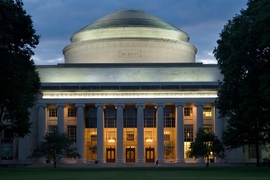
[149, 155]
[110, 155]
[130, 154]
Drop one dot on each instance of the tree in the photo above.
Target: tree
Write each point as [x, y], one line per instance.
[243, 55]
[206, 145]
[55, 146]
[19, 78]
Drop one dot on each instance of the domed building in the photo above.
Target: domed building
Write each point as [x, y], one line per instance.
[129, 91]
[129, 36]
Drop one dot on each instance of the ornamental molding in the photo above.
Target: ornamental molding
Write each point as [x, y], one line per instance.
[127, 95]
[97, 44]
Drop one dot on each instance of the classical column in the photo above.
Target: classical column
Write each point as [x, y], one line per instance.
[199, 122]
[180, 134]
[100, 133]
[199, 115]
[22, 146]
[60, 117]
[41, 126]
[218, 128]
[218, 124]
[41, 122]
[80, 131]
[160, 133]
[120, 137]
[140, 132]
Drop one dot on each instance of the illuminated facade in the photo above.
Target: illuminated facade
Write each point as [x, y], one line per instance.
[128, 92]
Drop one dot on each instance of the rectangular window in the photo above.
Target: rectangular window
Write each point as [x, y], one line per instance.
[53, 112]
[111, 136]
[71, 112]
[148, 136]
[72, 133]
[208, 128]
[169, 116]
[187, 149]
[188, 133]
[167, 137]
[187, 111]
[110, 117]
[91, 117]
[130, 117]
[207, 112]
[130, 135]
[93, 137]
[52, 129]
[188, 139]
[149, 117]
[7, 145]
[251, 151]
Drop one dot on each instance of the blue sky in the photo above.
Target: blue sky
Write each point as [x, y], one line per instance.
[57, 20]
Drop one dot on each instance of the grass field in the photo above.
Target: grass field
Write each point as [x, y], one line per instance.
[220, 173]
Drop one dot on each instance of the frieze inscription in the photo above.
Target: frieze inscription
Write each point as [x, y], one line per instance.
[72, 95]
[130, 54]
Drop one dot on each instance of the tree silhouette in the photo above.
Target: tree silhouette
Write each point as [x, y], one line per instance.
[55, 146]
[243, 55]
[206, 145]
[19, 78]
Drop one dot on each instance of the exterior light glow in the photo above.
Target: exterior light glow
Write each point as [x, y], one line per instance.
[129, 95]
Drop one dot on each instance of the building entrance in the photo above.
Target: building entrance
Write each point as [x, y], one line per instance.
[110, 155]
[149, 155]
[130, 154]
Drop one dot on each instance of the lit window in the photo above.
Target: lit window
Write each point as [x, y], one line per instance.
[111, 136]
[207, 112]
[130, 135]
[93, 137]
[187, 149]
[52, 112]
[187, 111]
[72, 133]
[169, 116]
[188, 139]
[148, 136]
[167, 137]
[207, 128]
[71, 112]
[188, 133]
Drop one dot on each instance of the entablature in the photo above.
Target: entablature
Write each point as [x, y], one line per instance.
[128, 86]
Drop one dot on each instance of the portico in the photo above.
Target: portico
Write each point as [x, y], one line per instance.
[130, 127]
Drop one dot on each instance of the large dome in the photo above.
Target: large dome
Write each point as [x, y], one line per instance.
[129, 36]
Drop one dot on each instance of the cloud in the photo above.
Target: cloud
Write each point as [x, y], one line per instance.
[206, 57]
[40, 61]
[57, 20]
[207, 61]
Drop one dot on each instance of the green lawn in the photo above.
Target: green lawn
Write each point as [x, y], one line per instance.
[246, 173]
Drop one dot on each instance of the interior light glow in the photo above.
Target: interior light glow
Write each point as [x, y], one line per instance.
[111, 140]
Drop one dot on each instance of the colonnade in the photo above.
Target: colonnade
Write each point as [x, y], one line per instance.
[179, 129]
